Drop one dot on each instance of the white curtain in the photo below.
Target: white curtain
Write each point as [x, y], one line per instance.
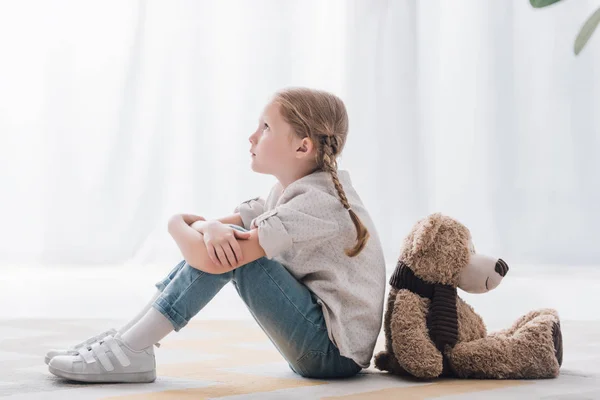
[115, 115]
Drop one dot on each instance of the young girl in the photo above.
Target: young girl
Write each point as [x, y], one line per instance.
[306, 261]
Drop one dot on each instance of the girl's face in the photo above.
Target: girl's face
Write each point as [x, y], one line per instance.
[274, 146]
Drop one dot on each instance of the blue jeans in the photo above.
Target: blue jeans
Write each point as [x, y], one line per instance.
[285, 309]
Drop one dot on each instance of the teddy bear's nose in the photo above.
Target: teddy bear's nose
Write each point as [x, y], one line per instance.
[501, 267]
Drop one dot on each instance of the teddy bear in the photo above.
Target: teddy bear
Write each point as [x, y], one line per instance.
[431, 332]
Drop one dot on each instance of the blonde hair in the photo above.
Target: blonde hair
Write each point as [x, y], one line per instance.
[322, 117]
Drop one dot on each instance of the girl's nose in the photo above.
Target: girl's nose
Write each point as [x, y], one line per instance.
[252, 138]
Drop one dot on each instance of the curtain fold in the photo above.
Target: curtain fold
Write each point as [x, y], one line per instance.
[115, 115]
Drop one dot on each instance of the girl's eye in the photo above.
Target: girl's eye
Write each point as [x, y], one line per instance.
[265, 126]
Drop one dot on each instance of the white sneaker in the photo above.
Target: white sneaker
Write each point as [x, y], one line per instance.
[71, 351]
[108, 360]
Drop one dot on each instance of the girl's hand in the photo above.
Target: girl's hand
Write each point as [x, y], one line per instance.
[198, 226]
[221, 243]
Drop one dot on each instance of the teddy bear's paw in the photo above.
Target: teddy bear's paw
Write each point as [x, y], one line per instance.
[382, 361]
[558, 342]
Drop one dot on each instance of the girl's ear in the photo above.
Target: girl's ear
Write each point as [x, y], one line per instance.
[305, 147]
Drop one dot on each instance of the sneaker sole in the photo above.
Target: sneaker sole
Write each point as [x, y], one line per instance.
[126, 377]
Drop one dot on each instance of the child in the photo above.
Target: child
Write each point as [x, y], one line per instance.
[306, 261]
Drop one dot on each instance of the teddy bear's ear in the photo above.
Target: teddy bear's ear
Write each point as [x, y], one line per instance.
[425, 231]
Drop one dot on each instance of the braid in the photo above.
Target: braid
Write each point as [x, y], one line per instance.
[330, 144]
[322, 117]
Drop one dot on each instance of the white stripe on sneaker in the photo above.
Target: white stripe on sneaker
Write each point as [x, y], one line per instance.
[87, 355]
[117, 352]
[100, 353]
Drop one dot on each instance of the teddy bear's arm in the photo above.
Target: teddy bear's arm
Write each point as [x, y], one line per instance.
[412, 346]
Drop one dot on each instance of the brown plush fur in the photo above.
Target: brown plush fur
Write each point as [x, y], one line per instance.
[524, 351]
[470, 324]
[384, 362]
[436, 250]
[411, 344]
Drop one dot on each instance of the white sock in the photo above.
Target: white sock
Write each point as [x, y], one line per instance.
[150, 329]
[140, 314]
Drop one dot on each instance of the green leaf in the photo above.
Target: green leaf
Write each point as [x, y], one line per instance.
[586, 31]
[542, 3]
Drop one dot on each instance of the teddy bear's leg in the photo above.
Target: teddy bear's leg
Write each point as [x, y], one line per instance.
[411, 343]
[522, 321]
[387, 330]
[386, 360]
[533, 351]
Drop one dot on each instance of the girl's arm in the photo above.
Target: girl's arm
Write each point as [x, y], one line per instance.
[234, 219]
[193, 249]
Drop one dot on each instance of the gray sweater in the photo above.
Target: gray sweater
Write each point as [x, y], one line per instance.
[306, 228]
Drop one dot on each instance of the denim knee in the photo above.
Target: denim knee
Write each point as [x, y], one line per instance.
[187, 292]
[161, 285]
